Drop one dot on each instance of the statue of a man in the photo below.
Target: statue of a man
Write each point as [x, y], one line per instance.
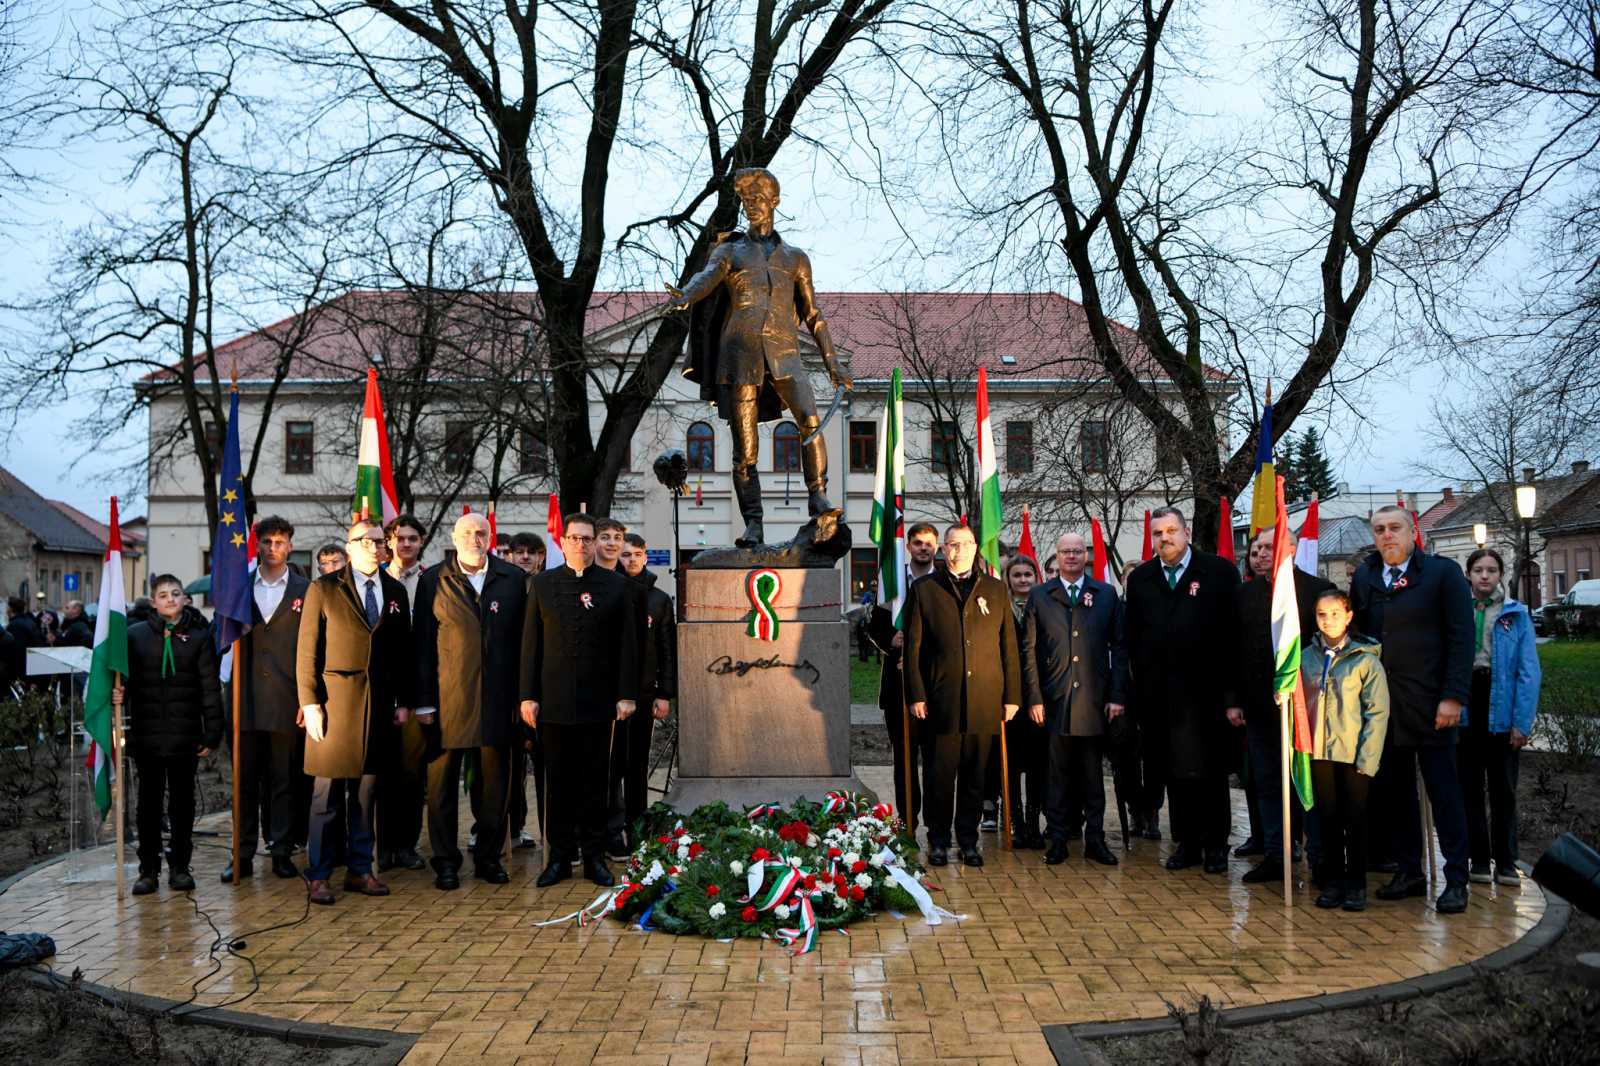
[743, 348]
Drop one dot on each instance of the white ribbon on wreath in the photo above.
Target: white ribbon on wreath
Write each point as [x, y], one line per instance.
[897, 873]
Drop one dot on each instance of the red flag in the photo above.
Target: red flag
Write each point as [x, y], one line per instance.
[1416, 523]
[466, 508]
[1147, 551]
[1100, 560]
[1225, 531]
[1025, 545]
[553, 529]
[493, 533]
[250, 549]
[699, 491]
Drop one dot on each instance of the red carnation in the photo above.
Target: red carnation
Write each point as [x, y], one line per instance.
[695, 849]
[664, 840]
[759, 854]
[857, 893]
[858, 866]
[834, 853]
[748, 914]
[841, 880]
[712, 890]
[678, 832]
[810, 882]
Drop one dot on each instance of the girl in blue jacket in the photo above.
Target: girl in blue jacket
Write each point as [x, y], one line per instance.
[1498, 718]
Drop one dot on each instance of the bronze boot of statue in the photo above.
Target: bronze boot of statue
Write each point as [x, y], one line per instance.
[747, 490]
[814, 466]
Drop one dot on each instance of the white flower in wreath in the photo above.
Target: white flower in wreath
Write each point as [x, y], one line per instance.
[864, 879]
[685, 840]
[812, 841]
[718, 910]
[876, 860]
[781, 910]
[654, 874]
[795, 862]
[683, 851]
[851, 858]
[736, 867]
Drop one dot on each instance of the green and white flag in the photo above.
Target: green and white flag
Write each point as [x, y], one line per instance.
[375, 496]
[888, 530]
[990, 514]
[109, 661]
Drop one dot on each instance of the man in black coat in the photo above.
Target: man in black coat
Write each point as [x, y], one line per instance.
[1182, 629]
[661, 635]
[964, 683]
[468, 634]
[580, 677]
[269, 727]
[76, 629]
[400, 785]
[356, 676]
[610, 540]
[1258, 699]
[922, 545]
[174, 721]
[1075, 678]
[1419, 607]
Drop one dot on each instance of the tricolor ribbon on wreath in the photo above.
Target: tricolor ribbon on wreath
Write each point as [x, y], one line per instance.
[761, 810]
[853, 802]
[763, 587]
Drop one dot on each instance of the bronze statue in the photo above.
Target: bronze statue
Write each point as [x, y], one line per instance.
[743, 348]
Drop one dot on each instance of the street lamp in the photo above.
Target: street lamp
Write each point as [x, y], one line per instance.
[1527, 500]
[1480, 533]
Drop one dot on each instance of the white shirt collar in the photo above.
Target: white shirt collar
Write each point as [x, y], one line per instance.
[1183, 563]
[282, 580]
[1073, 584]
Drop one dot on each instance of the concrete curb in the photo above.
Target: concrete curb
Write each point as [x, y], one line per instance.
[1067, 1041]
[387, 1047]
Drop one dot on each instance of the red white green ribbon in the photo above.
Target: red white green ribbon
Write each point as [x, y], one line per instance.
[761, 810]
[763, 587]
[844, 801]
[805, 933]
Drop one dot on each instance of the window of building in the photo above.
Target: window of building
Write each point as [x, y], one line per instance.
[786, 447]
[863, 571]
[701, 444]
[1019, 447]
[1558, 572]
[298, 447]
[863, 447]
[943, 445]
[533, 455]
[1169, 455]
[1583, 563]
[1094, 446]
[457, 457]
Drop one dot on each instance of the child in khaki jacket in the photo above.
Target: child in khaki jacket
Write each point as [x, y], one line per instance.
[1349, 696]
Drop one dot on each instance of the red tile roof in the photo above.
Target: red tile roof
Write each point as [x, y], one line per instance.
[1433, 515]
[1026, 335]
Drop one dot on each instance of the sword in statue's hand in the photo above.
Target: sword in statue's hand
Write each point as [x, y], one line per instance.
[833, 408]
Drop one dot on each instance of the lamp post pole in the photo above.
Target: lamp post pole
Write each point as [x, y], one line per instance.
[1527, 561]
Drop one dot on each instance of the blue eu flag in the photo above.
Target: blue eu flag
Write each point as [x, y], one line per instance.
[230, 551]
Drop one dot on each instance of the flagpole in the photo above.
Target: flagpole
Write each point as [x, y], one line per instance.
[905, 747]
[117, 801]
[238, 683]
[1427, 823]
[1005, 786]
[1288, 845]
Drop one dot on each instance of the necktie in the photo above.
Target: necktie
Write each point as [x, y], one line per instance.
[1172, 575]
[1072, 594]
[1394, 575]
[372, 604]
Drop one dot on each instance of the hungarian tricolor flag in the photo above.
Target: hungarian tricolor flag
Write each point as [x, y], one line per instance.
[990, 513]
[110, 660]
[888, 528]
[553, 556]
[1225, 529]
[1305, 553]
[1286, 649]
[1263, 493]
[375, 496]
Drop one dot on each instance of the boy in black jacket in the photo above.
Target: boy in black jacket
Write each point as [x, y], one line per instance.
[174, 720]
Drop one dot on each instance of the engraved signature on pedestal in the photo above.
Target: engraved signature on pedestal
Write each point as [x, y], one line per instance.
[723, 665]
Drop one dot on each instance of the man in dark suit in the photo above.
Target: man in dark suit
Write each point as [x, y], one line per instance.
[922, 545]
[400, 784]
[1182, 630]
[963, 682]
[1259, 703]
[661, 636]
[1419, 607]
[356, 678]
[610, 540]
[269, 726]
[468, 636]
[1075, 677]
[580, 677]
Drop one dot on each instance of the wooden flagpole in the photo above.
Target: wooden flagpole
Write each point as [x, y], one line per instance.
[1005, 787]
[238, 684]
[1285, 739]
[118, 803]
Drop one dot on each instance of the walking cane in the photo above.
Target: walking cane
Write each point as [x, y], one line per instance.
[1427, 824]
[1005, 787]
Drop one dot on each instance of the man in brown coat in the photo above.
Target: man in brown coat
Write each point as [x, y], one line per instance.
[963, 680]
[356, 677]
[469, 646]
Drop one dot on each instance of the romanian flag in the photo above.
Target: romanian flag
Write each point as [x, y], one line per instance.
[1286, 649]
[1263, 494]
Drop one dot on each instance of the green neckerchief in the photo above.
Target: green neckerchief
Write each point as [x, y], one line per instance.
[168, 665]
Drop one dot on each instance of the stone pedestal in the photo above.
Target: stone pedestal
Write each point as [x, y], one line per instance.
[762, 720]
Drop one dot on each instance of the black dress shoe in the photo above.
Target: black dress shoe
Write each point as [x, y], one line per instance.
[492, 872]
[554, 874]
[1264, 871]
[1216, 860]
[1183, 858]
[938, 856]
[181, 880]
[447, 880]
[1096, 851]
[1251, 846]
[1056, 853]
[1453, 900]
[1403, 887]
[971, 857]
[596, 870]
[1355, 899]
[145, 885]
[408, 858]
[284, 867]
[1333, 897]
[246, 869]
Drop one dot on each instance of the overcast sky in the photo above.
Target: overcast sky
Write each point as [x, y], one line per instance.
[845, 228]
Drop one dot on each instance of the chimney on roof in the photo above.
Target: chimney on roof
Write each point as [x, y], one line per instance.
[1449, 494]
[1580, 466]
[1527, 475]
